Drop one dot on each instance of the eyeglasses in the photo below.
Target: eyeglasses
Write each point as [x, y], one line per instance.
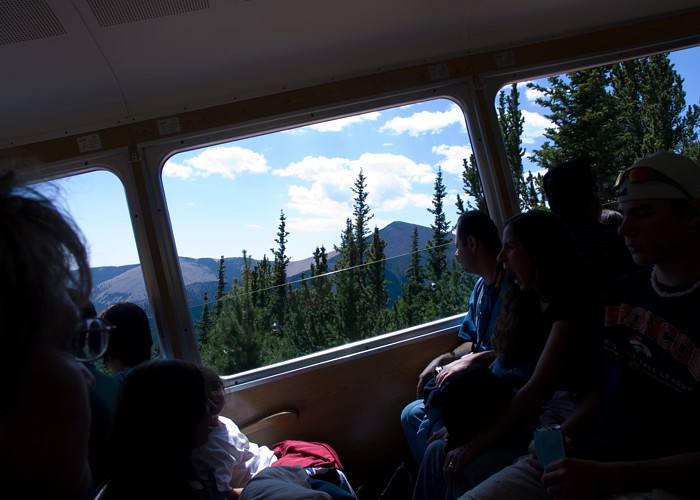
[646, 174]
[91, 338]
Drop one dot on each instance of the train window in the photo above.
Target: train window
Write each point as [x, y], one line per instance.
[106, 226]
[310, 238]
[615, 114]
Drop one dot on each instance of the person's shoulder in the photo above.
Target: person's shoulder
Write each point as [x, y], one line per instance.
[229, 424]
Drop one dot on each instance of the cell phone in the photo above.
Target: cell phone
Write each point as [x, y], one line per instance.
[549, 444]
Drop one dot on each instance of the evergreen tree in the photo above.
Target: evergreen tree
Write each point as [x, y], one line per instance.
[279, 273]
[313, 308]
[321, 283]
[362, 215]
[348, 283]
[220, 286]
[615, 115]
[408, 310]
[653, 107]
[233, 344]
[375, 295]
[203, 326]
[471, 183]
[527, 187]
[510, 120]
[437, 261]
[585, 118]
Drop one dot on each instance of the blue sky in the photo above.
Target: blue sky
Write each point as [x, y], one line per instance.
[228, 198]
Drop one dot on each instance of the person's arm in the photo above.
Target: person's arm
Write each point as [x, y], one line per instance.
[481, 358]
[582, 415]
[574, 478]
[528, 399]
[467, 335]
[441, 360]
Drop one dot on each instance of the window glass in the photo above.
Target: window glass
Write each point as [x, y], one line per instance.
[97, 204]
[310, 238]
[615, 114]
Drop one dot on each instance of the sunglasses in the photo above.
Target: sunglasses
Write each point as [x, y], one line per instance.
[646, 174]
[91, 338]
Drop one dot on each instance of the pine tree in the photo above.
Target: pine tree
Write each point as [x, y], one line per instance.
[362, 215]
[203, 326]
[413, 292]
[233, 343]
[313, 308]
[348, 283]
[279, 273]
[653, 107]
[375, 294]
[220, 286]
[615, 115]
[510, 120]
[437, 261]
[527, 187]
[471, 183]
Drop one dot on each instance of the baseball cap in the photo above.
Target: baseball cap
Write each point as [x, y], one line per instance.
[660, 175]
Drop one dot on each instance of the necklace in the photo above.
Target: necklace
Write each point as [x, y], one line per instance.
[671, 295]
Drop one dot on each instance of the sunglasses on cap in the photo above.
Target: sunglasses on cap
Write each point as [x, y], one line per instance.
[646, 174]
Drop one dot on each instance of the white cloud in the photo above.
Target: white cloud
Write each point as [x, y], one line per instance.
[328, 182]
[341, 123]
[225, 161]
[454, 157]
[534, 127]
[337, 125]
[173, 169]
[533, 94]
[424, 122]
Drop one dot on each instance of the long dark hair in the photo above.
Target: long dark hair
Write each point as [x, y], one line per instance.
[558, 269]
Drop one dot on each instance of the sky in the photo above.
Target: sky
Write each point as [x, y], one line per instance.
[229, 198]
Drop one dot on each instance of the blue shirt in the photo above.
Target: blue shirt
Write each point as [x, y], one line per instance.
[484, 306]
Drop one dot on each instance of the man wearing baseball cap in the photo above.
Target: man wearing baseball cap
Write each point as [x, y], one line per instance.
[639, 434]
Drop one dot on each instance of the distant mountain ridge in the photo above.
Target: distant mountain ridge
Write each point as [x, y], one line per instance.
[125, 283]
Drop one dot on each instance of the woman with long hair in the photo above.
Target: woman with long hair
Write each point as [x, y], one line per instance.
[546, 341]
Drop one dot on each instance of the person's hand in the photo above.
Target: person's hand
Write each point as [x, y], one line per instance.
[576, 479]
[532, 454]
[456, 459]
[441, 433]
[234, 493]
[424, 377]
[452, 368]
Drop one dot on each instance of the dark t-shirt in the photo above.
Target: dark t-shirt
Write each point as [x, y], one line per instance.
[651, 370]
[580, 306]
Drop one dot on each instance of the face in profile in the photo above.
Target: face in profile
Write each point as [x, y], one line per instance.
[216, 399]
[461, 252]
[652, 229]
[516, 260]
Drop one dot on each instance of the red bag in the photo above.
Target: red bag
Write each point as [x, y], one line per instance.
[305, 454]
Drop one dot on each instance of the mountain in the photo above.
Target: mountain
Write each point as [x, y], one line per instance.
[125, 283]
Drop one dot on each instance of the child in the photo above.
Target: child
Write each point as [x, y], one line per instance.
[228, 460]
